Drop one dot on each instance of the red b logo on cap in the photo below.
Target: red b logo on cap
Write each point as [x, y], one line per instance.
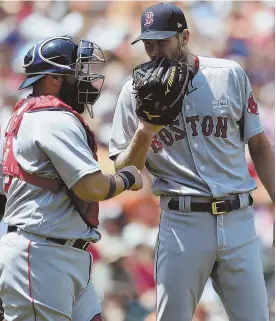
[149, 18]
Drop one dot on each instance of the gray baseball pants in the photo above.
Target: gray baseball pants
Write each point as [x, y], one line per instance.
[192, 247]
[43, 281]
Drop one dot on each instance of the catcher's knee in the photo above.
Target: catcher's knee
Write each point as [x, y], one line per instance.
[97, 317]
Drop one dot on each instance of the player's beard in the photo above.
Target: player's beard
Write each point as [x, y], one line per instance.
[180, 53]
[69, 94]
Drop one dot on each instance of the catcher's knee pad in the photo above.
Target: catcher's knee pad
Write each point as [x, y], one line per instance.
[97, 317]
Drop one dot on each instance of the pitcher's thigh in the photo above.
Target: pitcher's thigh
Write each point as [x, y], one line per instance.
[180, 280]
[239, 281]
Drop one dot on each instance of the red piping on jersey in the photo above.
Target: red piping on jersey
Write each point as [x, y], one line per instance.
[29, 278]
[97, 317]
[196, 64]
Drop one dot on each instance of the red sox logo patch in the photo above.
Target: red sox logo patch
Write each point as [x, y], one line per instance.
[252, 107]
[149, 18]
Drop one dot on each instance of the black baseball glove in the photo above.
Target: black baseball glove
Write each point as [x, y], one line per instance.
[159, 87]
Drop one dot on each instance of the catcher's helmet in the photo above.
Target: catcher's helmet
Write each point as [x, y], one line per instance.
[66, 56]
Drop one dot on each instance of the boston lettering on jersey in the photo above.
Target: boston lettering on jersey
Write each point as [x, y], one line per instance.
[208, 125]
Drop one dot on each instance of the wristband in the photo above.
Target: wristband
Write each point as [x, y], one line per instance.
[112, 187]
[125, 180]
[130, 178]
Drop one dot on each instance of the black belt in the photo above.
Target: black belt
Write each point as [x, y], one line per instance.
[79, 243]
[215, 207]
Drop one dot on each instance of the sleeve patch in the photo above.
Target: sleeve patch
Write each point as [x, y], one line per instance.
[252, 107]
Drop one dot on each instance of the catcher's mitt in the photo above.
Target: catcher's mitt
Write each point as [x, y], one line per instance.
[160, 87]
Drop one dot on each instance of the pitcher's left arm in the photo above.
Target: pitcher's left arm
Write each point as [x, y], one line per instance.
[263, 155]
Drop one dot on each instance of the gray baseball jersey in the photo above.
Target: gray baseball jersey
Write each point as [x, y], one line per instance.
[203, 151]
[51, 144]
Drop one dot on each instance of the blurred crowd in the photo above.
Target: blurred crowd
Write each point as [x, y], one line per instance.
[123, 272]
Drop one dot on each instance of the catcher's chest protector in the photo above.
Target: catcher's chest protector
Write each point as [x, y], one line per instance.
[88, 210]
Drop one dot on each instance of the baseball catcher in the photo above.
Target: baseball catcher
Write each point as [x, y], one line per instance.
[53, 183]
[160, 86]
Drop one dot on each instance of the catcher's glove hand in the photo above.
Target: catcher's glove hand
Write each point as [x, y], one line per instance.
[160, 87]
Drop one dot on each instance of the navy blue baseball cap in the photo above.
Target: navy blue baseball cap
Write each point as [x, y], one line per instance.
[161, 21]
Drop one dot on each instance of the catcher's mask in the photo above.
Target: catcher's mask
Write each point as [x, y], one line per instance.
[67, 56]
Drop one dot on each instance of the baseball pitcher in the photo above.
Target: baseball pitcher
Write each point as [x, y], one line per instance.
[53, 183]
[187, 119]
